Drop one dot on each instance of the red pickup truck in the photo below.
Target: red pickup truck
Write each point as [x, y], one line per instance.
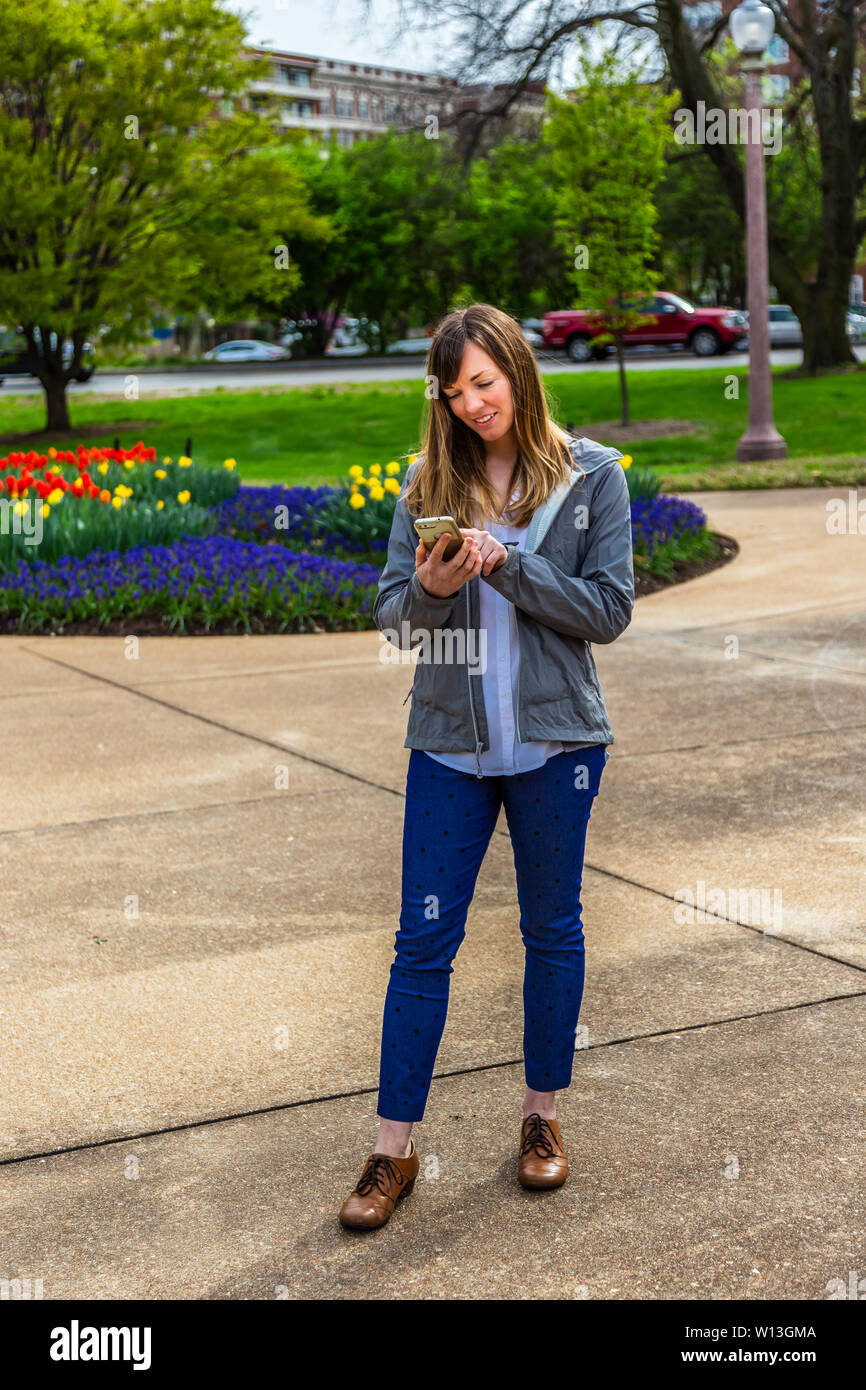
[673, 320]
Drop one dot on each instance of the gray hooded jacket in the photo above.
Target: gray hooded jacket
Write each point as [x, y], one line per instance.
[572, 585]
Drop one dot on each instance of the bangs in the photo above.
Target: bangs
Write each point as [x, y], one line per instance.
[447, 356]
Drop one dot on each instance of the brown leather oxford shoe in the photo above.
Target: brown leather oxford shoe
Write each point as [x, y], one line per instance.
[384, 1181]
[542, 1161]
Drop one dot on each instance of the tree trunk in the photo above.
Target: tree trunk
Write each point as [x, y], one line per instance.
[623, 384]
[194, 340]
[56, 404]
[825, 333]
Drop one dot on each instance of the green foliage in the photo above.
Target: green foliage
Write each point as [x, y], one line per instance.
[120, 190]
[673, 554]
[642, 481]
[608, 145]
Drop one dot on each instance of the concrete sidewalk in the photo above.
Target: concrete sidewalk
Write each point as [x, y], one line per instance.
[200, 864]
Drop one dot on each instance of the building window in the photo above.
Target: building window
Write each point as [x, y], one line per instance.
[325, 106]
[362, 107]
[345, 106]
[777, 50]
[374, 110]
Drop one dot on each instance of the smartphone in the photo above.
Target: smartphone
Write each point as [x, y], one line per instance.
[430, 528]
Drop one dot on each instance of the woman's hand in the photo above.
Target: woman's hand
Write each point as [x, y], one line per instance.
[493, 552]
[442, 578]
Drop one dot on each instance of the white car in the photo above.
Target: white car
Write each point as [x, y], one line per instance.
[247, 350]
[409, 345]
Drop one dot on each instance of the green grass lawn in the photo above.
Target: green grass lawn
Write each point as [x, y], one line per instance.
[312, 434]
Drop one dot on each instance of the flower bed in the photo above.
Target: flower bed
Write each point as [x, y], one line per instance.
[183, 548]
[204, 584]
[72, 503]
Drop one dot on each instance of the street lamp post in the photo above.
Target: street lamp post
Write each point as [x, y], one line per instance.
[752, 25]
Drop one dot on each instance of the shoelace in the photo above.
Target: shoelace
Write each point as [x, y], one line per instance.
[379, 1169]
[540, 1137]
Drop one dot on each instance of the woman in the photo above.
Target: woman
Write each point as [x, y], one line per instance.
[507, 712]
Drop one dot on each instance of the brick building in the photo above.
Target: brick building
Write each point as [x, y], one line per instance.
[344, 102]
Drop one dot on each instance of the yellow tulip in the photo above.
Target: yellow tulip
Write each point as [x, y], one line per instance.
[117, 501]
[230, 464]
[375, 469]
[166, 459]
[626, 460]
[20, 508]
[160, 504]
[356, 471]
[159, 473]
[356, 500]
[128, 464]
[45, 509]
[391, 485]
[184, 462]
[412, 458]
[102, 468]
[392, 467]
[376, 494]
[55, 496]
[183, 497]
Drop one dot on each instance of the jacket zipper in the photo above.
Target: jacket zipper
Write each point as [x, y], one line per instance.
[517, 692]
[479, 773]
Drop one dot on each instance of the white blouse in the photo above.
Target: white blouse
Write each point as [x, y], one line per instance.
[505, 756]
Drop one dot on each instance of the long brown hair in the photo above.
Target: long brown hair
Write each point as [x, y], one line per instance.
[451, 477]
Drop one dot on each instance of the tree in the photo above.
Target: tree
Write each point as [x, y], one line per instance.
[122, 185]
[403, 225]
[514, 257]
[527, 42]
[608, 152]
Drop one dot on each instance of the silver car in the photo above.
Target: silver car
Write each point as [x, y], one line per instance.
[786, 331]
[247, 350]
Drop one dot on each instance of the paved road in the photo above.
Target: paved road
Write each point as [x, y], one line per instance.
[347, 369]
[195, 953]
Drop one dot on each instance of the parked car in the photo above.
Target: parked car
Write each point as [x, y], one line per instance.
[247, 350]
[857, 324]
[673, 321]
[533, 332]
[786, 329]
[15, 359]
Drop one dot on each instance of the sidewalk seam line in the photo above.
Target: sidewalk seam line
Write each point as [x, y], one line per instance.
[381, 786]
[437, 1076]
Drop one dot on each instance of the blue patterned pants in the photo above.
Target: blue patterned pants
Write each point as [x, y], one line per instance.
[449, 819]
